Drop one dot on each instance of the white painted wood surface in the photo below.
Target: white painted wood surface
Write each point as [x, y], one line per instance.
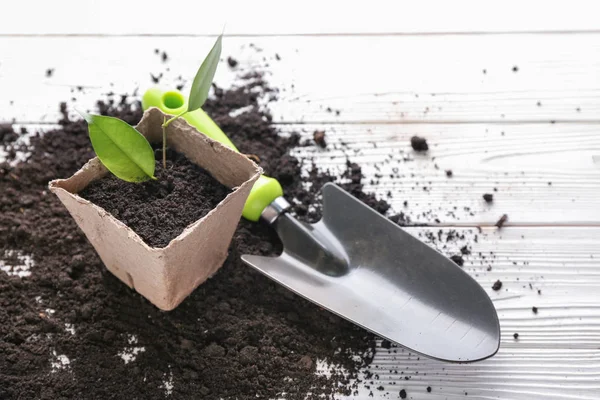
[383, 79]
[392, 74]
[273, 17]
[556, 355]
[539, 174]
[487, 128]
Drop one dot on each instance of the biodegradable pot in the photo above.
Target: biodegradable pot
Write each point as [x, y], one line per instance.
[165, 276]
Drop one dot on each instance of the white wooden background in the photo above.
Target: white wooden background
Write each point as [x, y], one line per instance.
[395, 69]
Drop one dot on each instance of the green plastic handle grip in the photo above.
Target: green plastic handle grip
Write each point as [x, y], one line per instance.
[172, 102]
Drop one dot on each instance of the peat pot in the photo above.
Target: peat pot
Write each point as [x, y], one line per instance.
[165, 276]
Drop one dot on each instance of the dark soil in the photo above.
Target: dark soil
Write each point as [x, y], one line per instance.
[500, 223]
[232, 62]
[319, 138]
[156, 78]
[488, 197]
[239, 335]
[159, 210]
[459, 260]
[419, 143]
[7, 134]
[497, 285]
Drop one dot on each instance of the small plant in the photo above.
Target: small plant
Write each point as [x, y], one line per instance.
[126, 152]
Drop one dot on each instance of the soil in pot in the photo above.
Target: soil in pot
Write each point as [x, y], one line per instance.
[159, 210]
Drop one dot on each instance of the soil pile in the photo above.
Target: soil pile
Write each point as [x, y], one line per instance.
[70, 329]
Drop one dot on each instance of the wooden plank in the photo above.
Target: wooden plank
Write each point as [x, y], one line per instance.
[537, 152]
[388, 79]
[439, 79]
[519, 164]
[512, 374]
[556, 355]
[518, 155]
[537, 173]
[309, 17]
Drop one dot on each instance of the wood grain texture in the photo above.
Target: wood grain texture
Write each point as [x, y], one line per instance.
[387, 79]
[544, 172]
[270, 17]
[512, 374]
[439, 79]
[487, 127]
[557, 353]
[537, 173]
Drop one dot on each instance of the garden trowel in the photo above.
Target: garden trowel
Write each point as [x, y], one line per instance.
[361, 266]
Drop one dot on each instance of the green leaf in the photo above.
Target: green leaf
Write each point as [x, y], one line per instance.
[204, 77]
[121, 148]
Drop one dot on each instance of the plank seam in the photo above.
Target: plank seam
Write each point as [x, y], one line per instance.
[310, 34]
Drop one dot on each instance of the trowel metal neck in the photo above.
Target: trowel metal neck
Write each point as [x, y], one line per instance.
[274, 210]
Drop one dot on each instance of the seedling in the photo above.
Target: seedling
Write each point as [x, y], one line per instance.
[199, 90]
[126, 152]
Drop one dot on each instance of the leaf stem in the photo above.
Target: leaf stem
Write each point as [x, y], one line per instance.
[164, 142]
[167, 122]
[164, 125]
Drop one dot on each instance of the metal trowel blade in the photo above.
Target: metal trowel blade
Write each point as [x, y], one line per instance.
[363, 267]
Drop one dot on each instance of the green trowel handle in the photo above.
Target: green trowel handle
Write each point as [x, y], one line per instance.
[172, 102]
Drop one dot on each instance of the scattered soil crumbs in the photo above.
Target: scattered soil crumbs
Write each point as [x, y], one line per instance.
[156, 78]
[458, 260]
[497, 285]
[488, 197]
[159, 210]
[516, 335]
[7, 134]
[72, 330]
[232, 62]
[534, 309]
[402, 394]
[319, 138]
[502, 221]
[419, 143]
